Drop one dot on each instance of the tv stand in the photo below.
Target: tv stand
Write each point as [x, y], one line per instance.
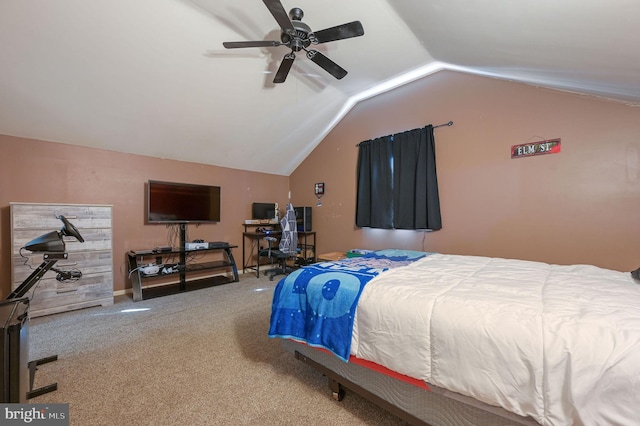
[160, 269]
[156, 269]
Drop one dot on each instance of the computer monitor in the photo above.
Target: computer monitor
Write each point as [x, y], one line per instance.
[262, 211]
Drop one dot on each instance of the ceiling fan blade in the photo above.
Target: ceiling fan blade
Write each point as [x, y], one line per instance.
[281, 16]
[349, 30]
[327, 64]
[261, 43]
[284, 68]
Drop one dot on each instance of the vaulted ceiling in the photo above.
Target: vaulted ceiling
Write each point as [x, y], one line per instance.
[151, 77]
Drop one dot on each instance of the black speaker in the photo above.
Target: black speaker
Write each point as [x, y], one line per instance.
[303, 218]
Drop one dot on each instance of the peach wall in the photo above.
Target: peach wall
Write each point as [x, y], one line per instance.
[44, 172]
[579, 206]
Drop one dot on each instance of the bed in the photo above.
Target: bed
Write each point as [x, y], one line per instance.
[448, 339]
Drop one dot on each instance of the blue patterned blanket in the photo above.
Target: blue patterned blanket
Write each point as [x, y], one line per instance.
[317, 303]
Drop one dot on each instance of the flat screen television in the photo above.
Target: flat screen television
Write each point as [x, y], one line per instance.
[171, 202]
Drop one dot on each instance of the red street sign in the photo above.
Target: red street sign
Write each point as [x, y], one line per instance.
[551, 146]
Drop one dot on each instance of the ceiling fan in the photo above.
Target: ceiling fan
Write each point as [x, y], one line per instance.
[298, 36]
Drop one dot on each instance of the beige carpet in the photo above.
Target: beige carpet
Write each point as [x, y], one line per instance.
[196, 358]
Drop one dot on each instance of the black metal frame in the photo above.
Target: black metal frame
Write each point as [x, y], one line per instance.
[337, 385]
[50, 259]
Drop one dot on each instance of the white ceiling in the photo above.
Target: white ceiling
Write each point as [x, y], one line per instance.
[151, 76]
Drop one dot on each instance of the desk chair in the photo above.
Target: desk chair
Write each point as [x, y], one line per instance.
[288, 247]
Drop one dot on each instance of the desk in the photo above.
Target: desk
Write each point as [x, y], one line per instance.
[251, 246]
[251, 239]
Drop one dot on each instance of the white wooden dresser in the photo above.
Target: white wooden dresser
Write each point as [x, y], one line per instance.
[93, 258]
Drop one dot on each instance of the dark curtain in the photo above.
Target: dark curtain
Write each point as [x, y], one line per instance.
[397, 182]
[374, 206]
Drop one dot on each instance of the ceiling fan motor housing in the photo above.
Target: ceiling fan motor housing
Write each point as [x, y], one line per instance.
[303, 35]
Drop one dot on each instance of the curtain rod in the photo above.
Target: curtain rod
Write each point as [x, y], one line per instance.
[445, 124]
[450, 123]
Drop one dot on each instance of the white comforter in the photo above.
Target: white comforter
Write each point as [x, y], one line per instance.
[558, 343]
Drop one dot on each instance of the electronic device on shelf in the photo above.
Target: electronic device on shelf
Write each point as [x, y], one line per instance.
[196, 246]
[303, 218]
[218, 244]
[162, 249]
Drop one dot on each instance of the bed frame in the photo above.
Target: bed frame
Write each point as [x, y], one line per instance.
[412, 404]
